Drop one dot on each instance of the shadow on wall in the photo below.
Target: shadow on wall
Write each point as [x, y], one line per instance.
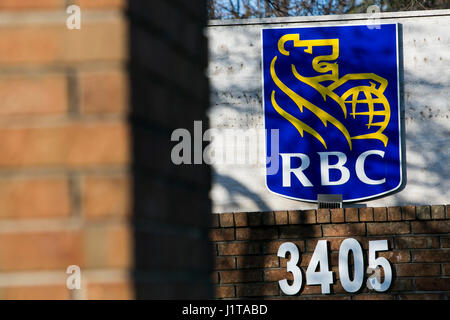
[236, 189]
[237, 103]
[426, 146]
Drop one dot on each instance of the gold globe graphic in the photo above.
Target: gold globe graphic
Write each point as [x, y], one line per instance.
[369, 101]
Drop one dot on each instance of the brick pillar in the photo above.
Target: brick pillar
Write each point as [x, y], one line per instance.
[171, 205]
[81, 181]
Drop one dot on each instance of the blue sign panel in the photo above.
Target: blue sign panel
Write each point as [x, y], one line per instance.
[333, 94]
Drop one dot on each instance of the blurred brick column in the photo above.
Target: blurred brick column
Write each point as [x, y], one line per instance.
[70, 169]
[168, 55]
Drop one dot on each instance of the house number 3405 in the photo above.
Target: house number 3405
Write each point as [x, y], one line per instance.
[324, 277]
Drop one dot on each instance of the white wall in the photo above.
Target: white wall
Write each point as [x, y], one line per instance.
[236, 102]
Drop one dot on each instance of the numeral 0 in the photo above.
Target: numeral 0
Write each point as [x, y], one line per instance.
[346, 246]
[324, 277]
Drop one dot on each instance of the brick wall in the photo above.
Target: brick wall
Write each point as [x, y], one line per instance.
[246, 246]
[85, 122]
[64, 136]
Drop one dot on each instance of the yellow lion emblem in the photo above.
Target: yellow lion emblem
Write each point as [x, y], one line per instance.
[329, 70]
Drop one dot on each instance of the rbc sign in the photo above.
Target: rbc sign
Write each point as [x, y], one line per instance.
[333, 94]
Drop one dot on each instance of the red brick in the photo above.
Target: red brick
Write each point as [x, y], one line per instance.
[256, 218]
[285, 297]
[417, 270]
[401, 285]
[430, 226]
[335, 270]
[268, 218]
[409, 212]
[445, 241]
[394, 213]
[238, 276]
[432, 284]
[221, 234]
[244, 219]
[416, 242]
[33, 94]
[383, 228]
[40, 250]
[439, 255]
[351, 215]
[35, 292]
[45, 197]
[273, 246]
[337, 215]
[366, 241]
[277, 275]
[107, 246]
[101, 4]
[330, 297]
[119, 290]
[30, 44]
[379, 214]
[423, 212]
[281, 217]
[256, 233]
[366, 214]
[257, 262]
[103, 92]
[48, 42]
[77, 144]
[302, 217]
[446, 269]
[396, 256]
[334, 259]
[257, 290]
[226, 220]
[323, 216]
[224, 292]
[334, 243]
[106, 196]
[344, 230]
[374, 296]
[239, 248]
[437, 212]
[300, 231]
[420, 296]
[224, 263]
[305, 258]
[31, 4]
[241, 219]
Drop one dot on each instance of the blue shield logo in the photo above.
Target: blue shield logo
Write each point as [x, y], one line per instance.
[333, 94]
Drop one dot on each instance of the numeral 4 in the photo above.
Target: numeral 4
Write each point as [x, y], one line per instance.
[324, 277]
